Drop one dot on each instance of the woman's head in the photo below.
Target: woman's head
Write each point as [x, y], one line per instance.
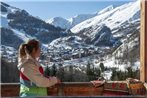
[31, 47]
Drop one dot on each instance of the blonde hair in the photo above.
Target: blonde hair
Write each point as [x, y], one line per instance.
[27, 48]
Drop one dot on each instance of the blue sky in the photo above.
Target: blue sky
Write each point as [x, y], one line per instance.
[46, 9]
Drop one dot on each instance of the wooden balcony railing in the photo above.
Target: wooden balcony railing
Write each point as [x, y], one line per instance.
[110, 88]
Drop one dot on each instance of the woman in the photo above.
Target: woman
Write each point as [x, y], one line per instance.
[32, 81]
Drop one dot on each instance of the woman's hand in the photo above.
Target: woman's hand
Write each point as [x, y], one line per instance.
[55, 79]
[58, 81]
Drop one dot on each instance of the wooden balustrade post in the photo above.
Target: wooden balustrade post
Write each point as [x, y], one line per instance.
[143, 42]
[60, 90]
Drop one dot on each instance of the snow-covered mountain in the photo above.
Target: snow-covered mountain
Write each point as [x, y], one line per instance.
[71, 22]
[109, 8]
[113, 18]
[59, 22]
[5, 10]
[99, 36]
[79, 18]
[124, 24]
[67, 42]
[19, 25]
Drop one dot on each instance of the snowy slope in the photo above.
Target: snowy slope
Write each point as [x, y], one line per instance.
[79, 18]
[22, 35]
[126, 54]
[5, 10]
[59, 22]
[8, 9]
[10, 50]
[26, 26]
[109, 8]
[114, 18]
[66, 42]
[69, 23]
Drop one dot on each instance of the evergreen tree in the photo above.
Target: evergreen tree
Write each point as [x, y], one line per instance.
[121, 75]
[137, 74]
[90, 72]
[47, 71]
[71, 73]
[60, 73]
[114, 74]
[130, 72]
[53, 70]
[97, 72]
[10, 72]
[102, 67]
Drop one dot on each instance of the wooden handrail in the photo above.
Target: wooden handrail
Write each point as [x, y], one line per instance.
[71, 89]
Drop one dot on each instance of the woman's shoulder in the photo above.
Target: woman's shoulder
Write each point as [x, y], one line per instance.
[25, 62]
[29, 62]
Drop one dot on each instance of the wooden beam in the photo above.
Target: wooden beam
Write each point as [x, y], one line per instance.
[143, 42]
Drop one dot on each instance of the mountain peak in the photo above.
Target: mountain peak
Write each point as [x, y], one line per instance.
[5, 8]
[58, 18]
[108, 8]
[51, 20]
[4, 4]
[112, 17]
[59, 22]
[69, 23]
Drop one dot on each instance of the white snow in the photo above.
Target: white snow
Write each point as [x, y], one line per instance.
[59, 22]
[8, 47]
[64, 43]
[109, 8]
[3, 15]
[107, 75]
[110, 63]
[79, 18]
[113, 18]
[9, 50]
[25, 37]
[136, 65]
[69, 23]
[10, 9]
[60, 43]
